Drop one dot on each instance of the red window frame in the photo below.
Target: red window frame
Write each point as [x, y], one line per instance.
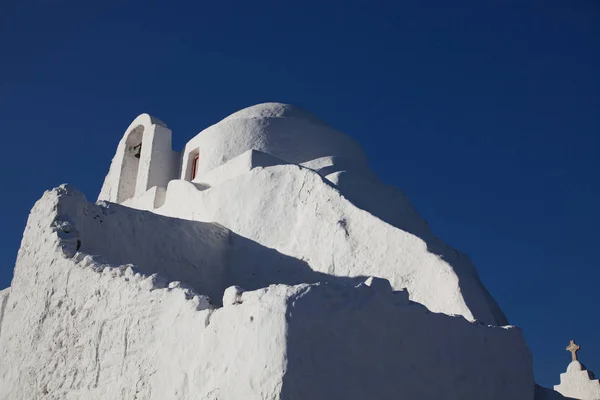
[195, 166]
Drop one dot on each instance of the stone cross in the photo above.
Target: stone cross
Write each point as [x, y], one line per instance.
[573, 348]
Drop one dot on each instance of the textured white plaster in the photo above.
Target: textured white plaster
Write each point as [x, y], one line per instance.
[325, 166]
[232, 296]
[237, 166]
[280, 206]
[4, 293]
[294, 211]
[156, 166]
[574, 366]
[111, 302]
[159, 164]
[578, 383]
[281, 130]
[149, 200]
[75, 327]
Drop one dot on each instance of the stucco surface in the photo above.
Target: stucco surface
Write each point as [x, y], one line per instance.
[249, 180]
[155, 165]
[578, 383]
[75, 326]
[281, 130]
[284, 270]
[300, 214]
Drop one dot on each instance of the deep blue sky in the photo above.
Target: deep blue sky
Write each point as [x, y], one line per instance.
[487, 116]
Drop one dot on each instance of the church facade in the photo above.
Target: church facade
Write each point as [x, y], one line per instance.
[145, 163]
[282, 177]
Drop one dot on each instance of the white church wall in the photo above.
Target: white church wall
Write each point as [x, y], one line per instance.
[283, 131]
[134, 163]
[291, 209]
[325, 166]
[227, 152]
[4, 293]
[111, 302]
[394, 349]
[177, 249]
[237, 166]
[79, 328]
[156, 165]
[76, 327]
[159, 162]
[578, 383]
[149, 200]
[386, 202]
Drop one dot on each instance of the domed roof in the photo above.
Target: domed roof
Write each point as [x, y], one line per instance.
[274, 110]
[281, 130]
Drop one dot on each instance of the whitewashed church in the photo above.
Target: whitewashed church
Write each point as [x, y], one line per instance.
[264, 261]
[146, 162]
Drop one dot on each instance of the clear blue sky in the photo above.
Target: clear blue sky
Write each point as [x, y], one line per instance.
[487, 116]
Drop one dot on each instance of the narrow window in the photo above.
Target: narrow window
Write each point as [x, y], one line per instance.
[195, 166]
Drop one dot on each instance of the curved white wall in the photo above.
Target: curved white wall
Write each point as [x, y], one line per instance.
[284, 131]
[294, 211]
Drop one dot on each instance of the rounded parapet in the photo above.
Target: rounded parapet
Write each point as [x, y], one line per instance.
[145, 120]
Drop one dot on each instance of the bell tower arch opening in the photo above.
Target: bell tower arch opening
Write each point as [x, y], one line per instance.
[131, 164]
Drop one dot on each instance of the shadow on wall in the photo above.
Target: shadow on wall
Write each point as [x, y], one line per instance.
[376, 346]
[542, 393]
[252, 266]
[391, 205]
[205, 256]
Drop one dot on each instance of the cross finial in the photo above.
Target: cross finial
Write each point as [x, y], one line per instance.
[573, 348]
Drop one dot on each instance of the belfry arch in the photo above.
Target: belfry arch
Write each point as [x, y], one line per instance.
[143, 165]
[131, 164]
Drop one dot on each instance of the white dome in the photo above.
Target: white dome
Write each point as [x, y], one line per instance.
[274, 110]
[281, 130]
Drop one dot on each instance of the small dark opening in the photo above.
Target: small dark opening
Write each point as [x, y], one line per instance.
[195, 166]
[137, 150]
